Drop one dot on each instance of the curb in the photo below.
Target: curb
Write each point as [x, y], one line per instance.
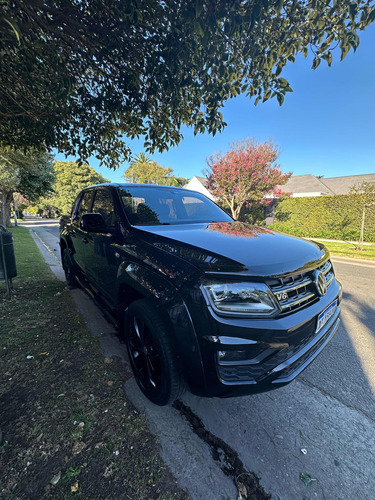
[355, 262]
[366, 243]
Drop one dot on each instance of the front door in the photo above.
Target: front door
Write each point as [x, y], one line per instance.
[80, 237]
[102, 257]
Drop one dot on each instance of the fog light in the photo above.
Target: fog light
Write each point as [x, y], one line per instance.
[233, 356]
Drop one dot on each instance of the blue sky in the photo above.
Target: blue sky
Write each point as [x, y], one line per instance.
[325, 127]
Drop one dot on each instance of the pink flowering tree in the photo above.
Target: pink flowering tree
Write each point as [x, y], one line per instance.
[245, 174]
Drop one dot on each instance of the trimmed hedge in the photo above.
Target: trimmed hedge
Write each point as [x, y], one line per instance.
[332, 217]
[253, 214]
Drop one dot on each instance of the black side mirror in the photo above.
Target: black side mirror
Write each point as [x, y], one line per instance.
[94, 223]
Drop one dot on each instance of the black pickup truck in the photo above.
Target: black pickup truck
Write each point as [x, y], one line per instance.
[201, 300]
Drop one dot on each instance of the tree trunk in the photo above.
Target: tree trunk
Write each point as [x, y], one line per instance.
[361, 236]
[236, 211]
[5, 200]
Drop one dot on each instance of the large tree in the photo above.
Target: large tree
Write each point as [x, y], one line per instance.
[245, 174]
[70, 179]
[145, 170]
[29, 174]
[85, 76]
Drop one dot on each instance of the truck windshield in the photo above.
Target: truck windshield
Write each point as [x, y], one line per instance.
[151, 205]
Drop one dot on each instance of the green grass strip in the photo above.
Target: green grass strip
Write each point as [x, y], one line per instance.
[349, 250]
[66, 427]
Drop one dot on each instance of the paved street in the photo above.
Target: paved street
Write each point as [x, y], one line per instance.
[329, 412]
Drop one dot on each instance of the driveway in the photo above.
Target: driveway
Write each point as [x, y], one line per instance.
[321, 426]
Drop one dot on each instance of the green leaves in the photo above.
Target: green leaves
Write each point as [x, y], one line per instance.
[149, 68]
[280, 98]
[70, 177]
[282, 82]
[198, 27]
[30, 174]
[334, 217]
[345, 47]
[278, 5]
[244, 174]
[327, 56]
[316, 62]
[14, 27]
[371, 16]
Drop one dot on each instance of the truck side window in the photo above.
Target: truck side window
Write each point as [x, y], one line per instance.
[84, 206]
[103, 204]
[75, 207]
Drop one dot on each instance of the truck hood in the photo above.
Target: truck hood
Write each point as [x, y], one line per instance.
[235, 248]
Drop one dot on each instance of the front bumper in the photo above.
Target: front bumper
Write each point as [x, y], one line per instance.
[274, 351]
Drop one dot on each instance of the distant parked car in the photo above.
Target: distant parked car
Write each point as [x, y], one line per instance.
[202, 301]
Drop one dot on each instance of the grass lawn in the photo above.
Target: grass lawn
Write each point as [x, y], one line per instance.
[66, 427]
[348, 250]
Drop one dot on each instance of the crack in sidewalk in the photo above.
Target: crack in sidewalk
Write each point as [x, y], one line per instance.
[247, 483]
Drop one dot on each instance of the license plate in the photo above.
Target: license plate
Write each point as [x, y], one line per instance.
[326, 315]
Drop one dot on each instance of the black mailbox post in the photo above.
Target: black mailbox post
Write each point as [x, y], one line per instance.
[8, 268]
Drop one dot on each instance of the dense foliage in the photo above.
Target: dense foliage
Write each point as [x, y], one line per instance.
[245, 174]
[253, 214]
[70, 179]
[85, 76]
[30, 174]
[144, 170]
[334, 217]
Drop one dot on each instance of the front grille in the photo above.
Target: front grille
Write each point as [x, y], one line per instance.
[297, 291]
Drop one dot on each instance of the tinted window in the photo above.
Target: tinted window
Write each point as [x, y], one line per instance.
[151, 205]
[75, 206]
[103, 204]
[85, 205]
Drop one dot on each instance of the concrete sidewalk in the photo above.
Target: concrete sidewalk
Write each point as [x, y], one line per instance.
[46, 235]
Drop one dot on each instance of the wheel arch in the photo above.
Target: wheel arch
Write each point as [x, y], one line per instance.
[66, 243]
[173, 310]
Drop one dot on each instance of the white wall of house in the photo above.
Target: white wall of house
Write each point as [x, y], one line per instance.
[305, 195]
[298, 195]
[195, 185]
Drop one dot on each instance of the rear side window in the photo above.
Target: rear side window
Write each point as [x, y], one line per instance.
[103, 204]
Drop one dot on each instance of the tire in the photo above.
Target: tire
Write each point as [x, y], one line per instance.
[152, 354]
[68, 268]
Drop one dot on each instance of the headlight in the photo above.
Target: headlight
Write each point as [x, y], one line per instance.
[244, 299]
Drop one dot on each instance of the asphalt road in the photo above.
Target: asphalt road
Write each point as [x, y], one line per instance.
[323, 424]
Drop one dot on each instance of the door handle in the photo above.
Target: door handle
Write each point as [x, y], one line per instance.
[85, 240]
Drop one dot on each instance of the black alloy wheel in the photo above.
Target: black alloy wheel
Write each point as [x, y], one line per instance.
[152, 354]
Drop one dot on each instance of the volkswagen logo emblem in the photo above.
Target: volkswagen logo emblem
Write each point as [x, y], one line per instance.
[320, 282]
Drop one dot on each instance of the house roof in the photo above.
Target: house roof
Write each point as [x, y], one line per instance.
[342, 185]
[305, 184]
[330, 185]
[308, 183]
